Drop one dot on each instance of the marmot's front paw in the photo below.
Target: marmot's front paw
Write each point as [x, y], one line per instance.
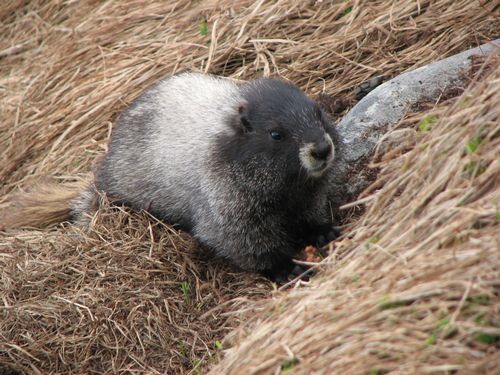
[326, 235]
[287, 272]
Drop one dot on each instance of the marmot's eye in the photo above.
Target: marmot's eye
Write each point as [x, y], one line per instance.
[276, 136]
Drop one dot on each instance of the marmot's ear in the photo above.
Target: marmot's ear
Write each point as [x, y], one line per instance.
[243, 116]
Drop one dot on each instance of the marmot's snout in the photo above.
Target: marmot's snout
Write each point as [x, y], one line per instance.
[322, 150]
[317, 156]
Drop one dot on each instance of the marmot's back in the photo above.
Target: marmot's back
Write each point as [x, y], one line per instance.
[158, 151]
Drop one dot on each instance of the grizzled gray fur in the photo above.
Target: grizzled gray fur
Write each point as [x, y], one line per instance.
[243, 168]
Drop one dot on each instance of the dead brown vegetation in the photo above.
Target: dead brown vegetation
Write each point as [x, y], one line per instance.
[412, 287]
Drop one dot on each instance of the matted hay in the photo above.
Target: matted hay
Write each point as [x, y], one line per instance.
[413, 286]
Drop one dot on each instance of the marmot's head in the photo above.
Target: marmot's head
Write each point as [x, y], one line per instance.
[277, 127]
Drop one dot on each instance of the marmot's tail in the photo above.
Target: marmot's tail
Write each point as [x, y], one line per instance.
[41, 206]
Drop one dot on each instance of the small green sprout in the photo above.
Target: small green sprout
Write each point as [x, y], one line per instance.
[431, 340]
[442, 323]
[185, 292]
[487, 338]
[372, 241]
[443, 330]
[426, 124]
[473, 144]
[289, 363]
[182, 349]
[204, 27]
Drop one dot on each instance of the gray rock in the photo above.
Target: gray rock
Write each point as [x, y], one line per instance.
[381, 109]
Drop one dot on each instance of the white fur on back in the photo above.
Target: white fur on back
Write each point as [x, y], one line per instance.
[181, 117]
[192, 109]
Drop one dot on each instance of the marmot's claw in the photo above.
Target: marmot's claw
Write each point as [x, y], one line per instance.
[327, 236]
[288, 272]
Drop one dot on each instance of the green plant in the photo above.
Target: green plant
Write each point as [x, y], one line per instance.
[186, 292]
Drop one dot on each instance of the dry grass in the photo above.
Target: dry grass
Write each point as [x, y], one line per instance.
[413, 286]
[130, 295]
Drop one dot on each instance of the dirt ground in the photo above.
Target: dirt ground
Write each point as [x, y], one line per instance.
[412, 286]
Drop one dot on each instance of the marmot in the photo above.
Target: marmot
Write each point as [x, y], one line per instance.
[243, 168]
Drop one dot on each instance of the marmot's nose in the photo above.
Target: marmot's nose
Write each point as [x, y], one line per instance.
[321, 150]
